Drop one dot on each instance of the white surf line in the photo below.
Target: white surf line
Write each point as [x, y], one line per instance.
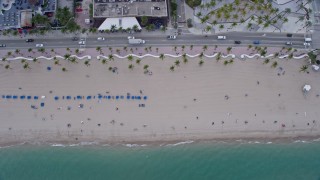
[242, 56]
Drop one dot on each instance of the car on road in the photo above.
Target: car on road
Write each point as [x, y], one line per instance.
[3, 45]
[29, 40]
[289, 43]
[289, 35]
[306, 44]
[256, 42]
[39, 45]
[171, 37]
[75, 39]
[82, 42]
[100, 38]
[237, 42]
[130, 37]
[221, 37]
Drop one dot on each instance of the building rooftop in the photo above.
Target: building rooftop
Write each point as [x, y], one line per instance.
[126, 8]
[10, 10]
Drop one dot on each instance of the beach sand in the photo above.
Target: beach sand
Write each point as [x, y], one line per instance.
[239, 100]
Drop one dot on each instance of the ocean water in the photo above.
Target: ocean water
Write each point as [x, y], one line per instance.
[207, 160]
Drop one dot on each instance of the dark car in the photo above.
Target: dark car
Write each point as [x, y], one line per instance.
[29, 40]
[75, 39]
[256, 42]
[289, 35]
[2, 45]
[237, 42]
[156, 8]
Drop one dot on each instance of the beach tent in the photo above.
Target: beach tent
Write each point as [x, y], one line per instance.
[306, 88]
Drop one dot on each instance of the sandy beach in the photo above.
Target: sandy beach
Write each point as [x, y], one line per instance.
[246, 99]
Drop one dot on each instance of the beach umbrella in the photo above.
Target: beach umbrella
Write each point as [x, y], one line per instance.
[22, 97]
[139, 97]
[128, 97]
[79, 97]
[56, 98]
[8, 97]
[35, 97]
[99, 96]
[68, 97]
[28, 97]
[42, 104]
[15, 97]
[109, 97]
[132, 97]
[117, 97]
[145, 97]
[88, 97]
[49, 68]
[306, 88]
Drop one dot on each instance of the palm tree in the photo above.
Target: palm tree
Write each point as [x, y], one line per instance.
[4, 59]
[68, 49]
[266, 61]
[98, 49]
[304, 68]
[9, 53]
[42, 50]
[111, 57]
[145, 67]
[231, 61]
[177, 62]
[77, 51]
[138, 61]
[73, 60]
[125, 48]
[118, 51]
[205, 47]
[225, 62]
[52, 50]
[34, 59]
[130, 57]
[87, 63]
[17, 51]
[104, 61]
[131, 66]
[161, 56]
[64, 69]
[290, 56]
[274, 64]
[26, 66]
[23, 61]
[175, 48]
[110, 49]
[185, 60]
[201, 55]
[7, 66]
[157, 49]
[276, 54]
[67, 56]
[56, 62]
[249, 46]
[146, 49]
[201, 62]
[30, 49]
[172, 68]
[182, 47]
[191, 47]
[218, 56]
[229, 49]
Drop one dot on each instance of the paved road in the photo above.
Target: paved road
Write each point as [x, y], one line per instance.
[270, 39]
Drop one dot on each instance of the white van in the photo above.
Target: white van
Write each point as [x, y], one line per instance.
[222, 37]
[307, 39]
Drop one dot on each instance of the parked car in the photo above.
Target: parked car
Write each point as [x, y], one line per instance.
[29, 40]
[75, 39]
[289, 35]
[3, 45]
[171, 37]
[100, 38]
[39, 45]
[256, 42]
[237, 42]
[288, 43]
[222, 37]
[82, 42]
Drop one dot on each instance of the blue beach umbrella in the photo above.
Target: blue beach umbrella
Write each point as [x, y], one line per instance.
[145, 97]
[100, 96]
[109, 97]
[88, 97]
[49, 68]
[14, 97]
[117, 97]
[128, 97]
[36, 97]
[139, 97]
[68, 97]
[22, 97]
[132, 97]
[29, 97]
[56, 98]
[42, 104]
[8, 97]
[79, 97]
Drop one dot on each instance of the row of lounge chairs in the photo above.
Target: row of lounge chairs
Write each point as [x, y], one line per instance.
[118, 97]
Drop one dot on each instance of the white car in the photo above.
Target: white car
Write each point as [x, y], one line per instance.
[39, 45]
[306, 44]
[289, 43]
[171, 37]
[100, 38]
[221, 37]
[82, 42]
[130, 37]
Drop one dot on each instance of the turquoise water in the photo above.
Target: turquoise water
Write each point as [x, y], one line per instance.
[214, 161]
